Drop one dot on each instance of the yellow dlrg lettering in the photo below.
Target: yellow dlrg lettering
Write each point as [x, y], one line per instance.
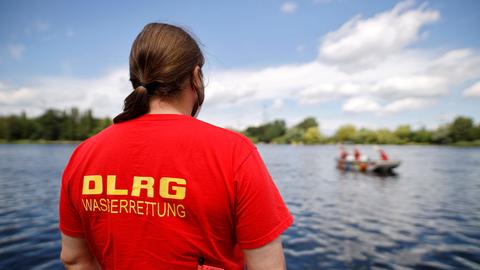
[96, 180]
[169, 187]
[142, 182]
[178, 187]
[111, 186]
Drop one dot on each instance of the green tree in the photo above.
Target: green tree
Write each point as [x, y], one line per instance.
[312, 136]
[345, 133]
[462, 129]
[404, 133]
[365, 136]
[3, 128]
[50, 122]
[385, 136]
[13, 128]
[442, 135]
[476, 132]
[267, 132]
[307, 123]
[100, 124]
[52, 125]
[87, 123]
[422, 135]
[292, 136]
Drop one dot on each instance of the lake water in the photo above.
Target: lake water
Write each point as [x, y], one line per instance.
[425, 217]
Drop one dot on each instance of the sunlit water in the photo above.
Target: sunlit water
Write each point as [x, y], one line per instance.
[425, 217]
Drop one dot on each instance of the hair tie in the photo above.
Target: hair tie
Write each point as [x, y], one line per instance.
[150, 87]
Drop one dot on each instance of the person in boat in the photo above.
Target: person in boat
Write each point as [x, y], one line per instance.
[357, 154]
[343, 153]
[382, 153]
[161, 189]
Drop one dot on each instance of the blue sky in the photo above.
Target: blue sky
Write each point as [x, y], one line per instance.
[370, 63]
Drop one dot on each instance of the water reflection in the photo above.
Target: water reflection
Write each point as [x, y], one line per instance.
[426, 216]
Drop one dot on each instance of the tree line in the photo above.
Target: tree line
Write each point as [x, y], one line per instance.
[51, 125]
[461, 131]
[76, 125]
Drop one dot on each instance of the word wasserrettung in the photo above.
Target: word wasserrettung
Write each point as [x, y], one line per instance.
[168, 188]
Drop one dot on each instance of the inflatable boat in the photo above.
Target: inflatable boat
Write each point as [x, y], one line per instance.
[379, 166]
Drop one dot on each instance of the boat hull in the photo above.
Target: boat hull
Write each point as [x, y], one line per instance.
[380, 166]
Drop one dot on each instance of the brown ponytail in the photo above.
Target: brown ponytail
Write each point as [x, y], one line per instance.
[162, 61]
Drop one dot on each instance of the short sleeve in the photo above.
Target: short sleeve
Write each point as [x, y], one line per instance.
[69, 220]
[260, 212]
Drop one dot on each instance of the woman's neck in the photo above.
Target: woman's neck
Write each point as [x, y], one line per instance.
[172, 106]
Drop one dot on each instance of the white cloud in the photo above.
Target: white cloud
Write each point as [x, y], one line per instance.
[360, 104]
[288, 7]
[316, 82]
[318, 93]
[277, 103]
[411, 85]
[17, 97]
[369, 104]
[16, 50]
[457, 65]
[406, 104]
[104, 95]
[473, 91]
[363, 41]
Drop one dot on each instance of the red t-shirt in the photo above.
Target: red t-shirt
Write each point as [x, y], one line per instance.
[161, 190]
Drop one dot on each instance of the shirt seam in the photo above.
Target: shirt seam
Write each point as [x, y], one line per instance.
[70, 232]
[243, 162]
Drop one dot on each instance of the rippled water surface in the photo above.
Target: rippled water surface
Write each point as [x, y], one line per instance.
[425, 217]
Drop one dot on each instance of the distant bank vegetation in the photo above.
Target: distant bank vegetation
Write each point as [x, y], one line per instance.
[52, 125]
[461, 131]
[74, 125]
